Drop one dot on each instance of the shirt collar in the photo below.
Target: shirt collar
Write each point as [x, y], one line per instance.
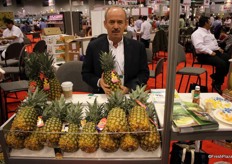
[204, 29]
[111, 42]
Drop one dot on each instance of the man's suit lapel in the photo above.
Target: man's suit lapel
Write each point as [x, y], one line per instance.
[105, 45]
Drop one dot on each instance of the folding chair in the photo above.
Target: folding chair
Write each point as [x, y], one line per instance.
[158, 70]
[190, 71]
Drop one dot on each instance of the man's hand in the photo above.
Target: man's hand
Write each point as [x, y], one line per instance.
[213, 54]
[125, 90]
[104, 86]
[221, 50]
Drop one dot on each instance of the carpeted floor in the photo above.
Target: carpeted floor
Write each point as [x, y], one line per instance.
[208, 146]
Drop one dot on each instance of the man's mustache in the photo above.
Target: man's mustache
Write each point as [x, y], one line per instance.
[115, 31]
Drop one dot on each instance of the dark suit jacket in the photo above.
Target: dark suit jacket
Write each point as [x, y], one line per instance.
[135, 68]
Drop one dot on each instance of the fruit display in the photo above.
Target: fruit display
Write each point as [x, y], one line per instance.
[110, 76]
[90, 128]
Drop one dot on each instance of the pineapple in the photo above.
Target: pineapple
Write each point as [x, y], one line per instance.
[39, 70]
[110, 76]
[69, 141]
[33, 142]
[116, 119]
[88, 140]
[108, 143]
[32, 70]
[51, 85]
[138, 117]
[54, 114]
[151, 140]
[129, 143]
[14, 142]
[26, 117]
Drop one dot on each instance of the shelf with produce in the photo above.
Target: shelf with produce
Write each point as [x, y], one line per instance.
[24, 156]
[150, 153]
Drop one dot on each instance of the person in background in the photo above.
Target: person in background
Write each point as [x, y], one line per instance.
[211, 19]
[131, 27]
[145, 32]
[36, 28]
[182, 21]
[12, 33]
[208, 52]
[42, 24]
[26, 28]
[227, 23]
[138, 23]
[130, 55]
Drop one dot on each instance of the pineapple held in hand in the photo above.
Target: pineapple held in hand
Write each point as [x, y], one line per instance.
[110, 76]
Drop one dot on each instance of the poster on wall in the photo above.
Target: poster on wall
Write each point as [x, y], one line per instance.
[206, 3]
[187, 2]
[135, 11]
[3, 15]
[227, 5]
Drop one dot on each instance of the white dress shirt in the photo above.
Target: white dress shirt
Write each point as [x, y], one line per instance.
[146, 30]
[118, 52]
[204, 41]
[15, 31]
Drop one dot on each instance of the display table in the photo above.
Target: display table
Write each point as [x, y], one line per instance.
[47, 155]
[224, 131]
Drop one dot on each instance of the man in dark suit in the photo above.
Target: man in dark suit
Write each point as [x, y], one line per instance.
[130, 55]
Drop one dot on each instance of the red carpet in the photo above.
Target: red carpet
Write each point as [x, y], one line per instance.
[208, 146]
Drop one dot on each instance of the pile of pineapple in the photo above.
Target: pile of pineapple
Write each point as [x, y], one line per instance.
[129, 124]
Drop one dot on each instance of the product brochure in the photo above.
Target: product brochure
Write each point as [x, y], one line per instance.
[190, 117]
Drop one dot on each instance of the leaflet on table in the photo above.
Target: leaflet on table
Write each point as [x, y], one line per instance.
[190, 117]
[159, 95]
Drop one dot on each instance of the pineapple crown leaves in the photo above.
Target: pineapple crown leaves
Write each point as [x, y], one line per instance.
[32, 66]
[116, 99]
[74, 113]
[36, 100]
[57, 108]
[94, 112]
[107, 61]
[139, 94]
[151, 110]
[46, 60]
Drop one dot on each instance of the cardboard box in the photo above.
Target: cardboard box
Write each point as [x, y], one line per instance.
[56, 49]
[72, 50]
[52, 31]
[54, 39]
